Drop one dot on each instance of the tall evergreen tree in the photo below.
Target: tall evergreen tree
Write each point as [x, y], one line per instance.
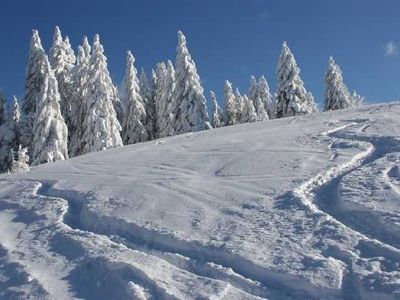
[239, 102]
[6, 137]
[230, 105]
[50, 133]
[9, 136]
[311, 103]
[15, 116]
[6, 154]
[117, 104]
[292, 97]
[3, 109]
[337, 96]
[260, 110]
[86, 47]
[254, 96]
[62, 60]
[71, 59]
[101, 129]
[133, 128]
[191, 110]
[165, 104]
[78, 105]
[217, 116]
[15, 111]
[160, 97]
[253, 88]
[167, 126]
[35, 75]
[249, 113]
[148, 95]
[266, 99]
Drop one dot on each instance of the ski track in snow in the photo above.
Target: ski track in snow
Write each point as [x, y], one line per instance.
[377, 147]
[318, 195]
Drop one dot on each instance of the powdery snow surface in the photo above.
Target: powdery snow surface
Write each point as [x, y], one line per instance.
[295, 208]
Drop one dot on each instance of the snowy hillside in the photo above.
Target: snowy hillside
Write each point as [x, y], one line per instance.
[295, 208]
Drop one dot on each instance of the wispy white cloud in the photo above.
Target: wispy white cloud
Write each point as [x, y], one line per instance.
[263, 15]
[391, 49]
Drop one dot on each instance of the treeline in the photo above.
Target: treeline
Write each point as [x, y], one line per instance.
[71, 106]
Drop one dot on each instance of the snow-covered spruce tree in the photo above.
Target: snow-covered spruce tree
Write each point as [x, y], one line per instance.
[36, 73]
[71, 59]
[191, 109]
[217, 116]
[3, 109]
[86, 47]
[230, 105]
[165, 104]
[254, 96]
[148, 96]
[117, 104]
[292, 97]
[50, 133]
[6, 155]
[133, 128]
[15, 112]
[249, 113]
[78, 105]
[14, 118]
[266, 98]
[239, 102]
[9, 136]
[337, 96]
[260, 109]
[311, 103]
[6, 138]
[160, 97]
[253, 88]
[167, 128]
[101, 129]
[62, 59]
[20, 163]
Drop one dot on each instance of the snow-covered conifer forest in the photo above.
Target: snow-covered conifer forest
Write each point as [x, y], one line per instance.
[71, 106]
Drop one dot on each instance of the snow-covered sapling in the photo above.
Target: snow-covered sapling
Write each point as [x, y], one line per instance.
[217, 116]
[20, 162]
[230, 105]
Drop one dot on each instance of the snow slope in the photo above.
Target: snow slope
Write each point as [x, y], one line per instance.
[295, 208]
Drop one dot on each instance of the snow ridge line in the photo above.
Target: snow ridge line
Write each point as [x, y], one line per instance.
[201, 268]
[85, 220]
[122, 273]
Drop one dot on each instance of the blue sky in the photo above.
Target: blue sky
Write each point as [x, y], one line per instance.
[229, 39]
